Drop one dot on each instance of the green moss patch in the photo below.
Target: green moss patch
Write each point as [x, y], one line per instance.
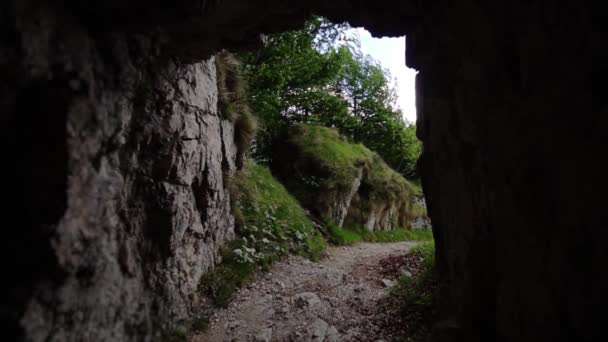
[332, 154]
[320, 167]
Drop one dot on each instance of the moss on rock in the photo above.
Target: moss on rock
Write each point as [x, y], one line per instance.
[342, 182]
[232, 103]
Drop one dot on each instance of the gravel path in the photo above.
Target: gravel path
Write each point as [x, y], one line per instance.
[336, 299]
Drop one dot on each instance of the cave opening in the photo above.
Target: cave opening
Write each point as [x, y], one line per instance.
[509, 110]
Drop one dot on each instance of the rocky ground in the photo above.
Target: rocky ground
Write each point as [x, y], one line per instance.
[341, 298]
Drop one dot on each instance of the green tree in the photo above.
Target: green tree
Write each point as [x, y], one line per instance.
[288, 79]
[318, 75]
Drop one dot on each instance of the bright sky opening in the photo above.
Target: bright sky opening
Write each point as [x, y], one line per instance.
[390, 52]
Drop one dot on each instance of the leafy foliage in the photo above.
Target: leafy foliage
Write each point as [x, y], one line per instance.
[318, 75]
[271, 223]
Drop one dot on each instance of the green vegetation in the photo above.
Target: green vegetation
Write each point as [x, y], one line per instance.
[343, 159]
[270, 224]
[232, 102]
[352, 234]
[417, 295]
[319, 166]
[340, 161]
[332, 111]
[331, 153]
[318, 75]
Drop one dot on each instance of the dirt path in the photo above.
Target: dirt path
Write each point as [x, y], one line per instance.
[336, 299]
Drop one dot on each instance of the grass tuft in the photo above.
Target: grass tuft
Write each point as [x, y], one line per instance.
[232, 103]
[331, 152]
[230, 84]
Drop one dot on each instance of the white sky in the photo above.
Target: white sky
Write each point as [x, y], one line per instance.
[390, 52]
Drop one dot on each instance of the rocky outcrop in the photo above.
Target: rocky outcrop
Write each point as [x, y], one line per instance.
[339, 208]
[386, 214]
[115, 158]
[341, 182]
[108, 146]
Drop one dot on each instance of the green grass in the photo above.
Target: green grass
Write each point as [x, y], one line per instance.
[270, 224]
[331, 151]
[352, 234]
[326, 167]
[343, 160]
[417, 295]
[401, 235]
[342, 236]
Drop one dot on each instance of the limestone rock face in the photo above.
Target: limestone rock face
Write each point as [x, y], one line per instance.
[116, 160]
[360, 189]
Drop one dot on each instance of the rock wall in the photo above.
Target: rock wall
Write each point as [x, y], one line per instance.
[513, 123]
[337, 204]
[378, 215]
[114, 157]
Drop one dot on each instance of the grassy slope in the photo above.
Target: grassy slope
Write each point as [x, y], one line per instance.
[331, 152]
[271, 223]
[337, 162]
